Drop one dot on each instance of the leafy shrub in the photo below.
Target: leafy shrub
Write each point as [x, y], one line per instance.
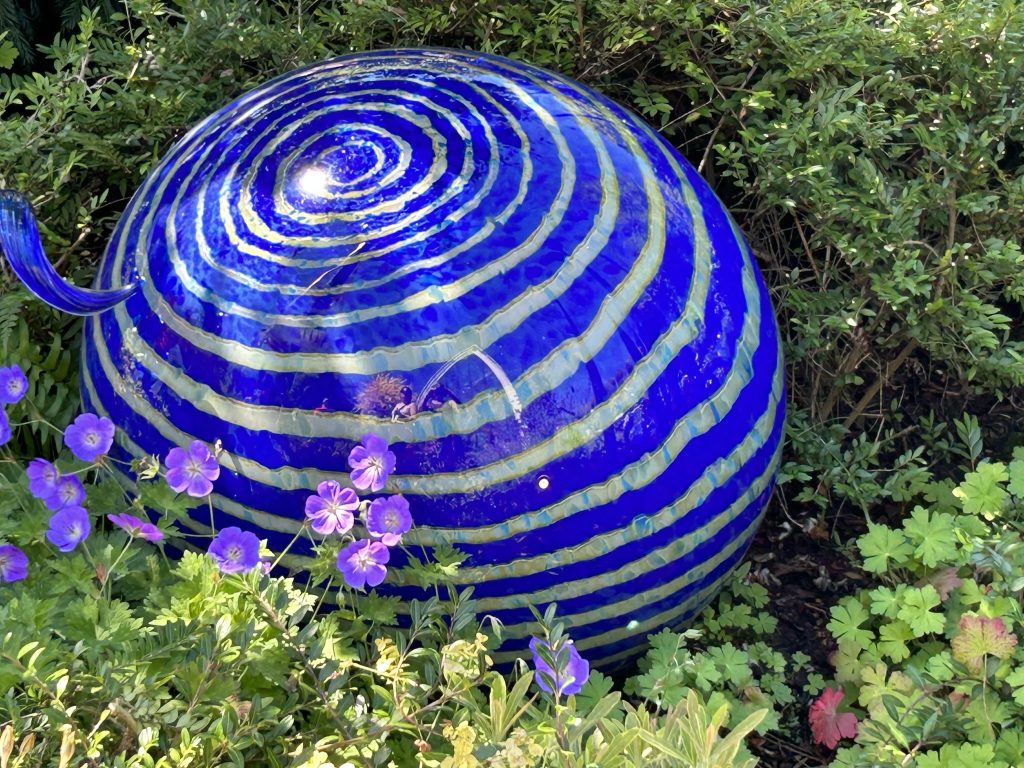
[871, 151]
[112, 653]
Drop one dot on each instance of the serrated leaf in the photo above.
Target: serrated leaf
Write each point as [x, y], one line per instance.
[933, 536]
[847, 618]
[1016, 482]
[982, 492]
[1016, 681]
[916, 610]
[885, 601]
[880, 545]
[892, 640]
[982, 636]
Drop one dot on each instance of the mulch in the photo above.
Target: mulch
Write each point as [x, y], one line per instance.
[803, 568]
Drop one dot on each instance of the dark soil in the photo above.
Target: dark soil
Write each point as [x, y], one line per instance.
[802, 565]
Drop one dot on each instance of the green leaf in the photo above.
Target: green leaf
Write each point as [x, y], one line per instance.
[596, 688]
[893, 639]
[1016, 681]
[880, 545]
[933, 536]
[8, 53]
[705, 673]
[1016, 472]
[847, 618]
[885, 601]
[940, 666]
[982, 492]
[916, 610]
[733, 663]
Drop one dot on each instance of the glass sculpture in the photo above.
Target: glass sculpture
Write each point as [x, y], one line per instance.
[517, 283]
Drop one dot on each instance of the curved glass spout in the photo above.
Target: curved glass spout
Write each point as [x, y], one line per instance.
[19, 240]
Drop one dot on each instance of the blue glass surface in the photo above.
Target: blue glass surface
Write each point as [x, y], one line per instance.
[594, 401]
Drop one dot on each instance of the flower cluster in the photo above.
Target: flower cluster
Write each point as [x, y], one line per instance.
[364, 562]
[331, 511]
[88, 437]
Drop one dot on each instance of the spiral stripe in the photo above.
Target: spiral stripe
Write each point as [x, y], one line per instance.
[562, 298]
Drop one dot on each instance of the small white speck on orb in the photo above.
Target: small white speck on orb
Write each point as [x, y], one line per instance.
[633, 625]
[543, 482]
[313, 181]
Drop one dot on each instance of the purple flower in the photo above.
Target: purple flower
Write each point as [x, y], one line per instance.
[89, 436]
[235, 550]
[136, 527]
[68, 491]
[388, 519]
[193, 471]
[362, 563]
[68, 527]
[13, 384]
[13, 563]
[42, 478]
[5, 427]
[371, 463]
[332, 509]
[568, 680]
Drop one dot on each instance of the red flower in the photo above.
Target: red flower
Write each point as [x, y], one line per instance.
[827, 725]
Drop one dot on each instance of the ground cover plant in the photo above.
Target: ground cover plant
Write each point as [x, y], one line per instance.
[871, 152]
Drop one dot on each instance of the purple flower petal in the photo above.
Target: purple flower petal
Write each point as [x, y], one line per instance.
[89, 436]
[13, 563]
[68, 491]
[176, 458]
[5, 427]
[388, 519]
[235, 550]
[42, 478]
[68, 527]
[569, 680]
[193, 471]
[13, 384]
[362, 563]
[198, 487]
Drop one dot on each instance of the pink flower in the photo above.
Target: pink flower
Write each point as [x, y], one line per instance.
[13, 563]
[89, 436]
[333, 509]
[388, 519]
[828, 725]
[135, 527]
[362, 563]
[192, 472]
[371, 463]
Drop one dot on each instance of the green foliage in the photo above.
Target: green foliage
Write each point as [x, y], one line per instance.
[742, 671]
[871, 152]
[50, 360]
[113, 654]
[930, 654]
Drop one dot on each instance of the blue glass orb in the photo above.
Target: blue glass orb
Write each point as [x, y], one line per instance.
[516, 282]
